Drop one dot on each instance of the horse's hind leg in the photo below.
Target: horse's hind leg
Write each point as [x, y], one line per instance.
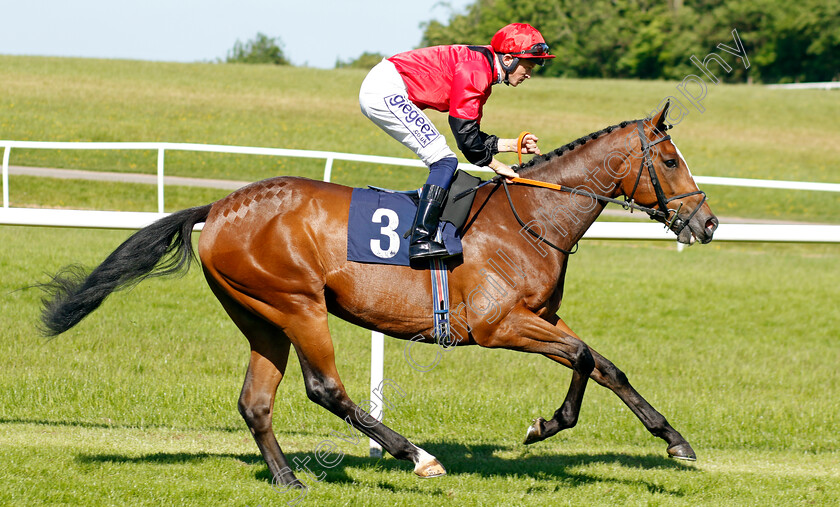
[301, 320]
[256, 404]
[607, 375]
[266, 367]
[311, 337]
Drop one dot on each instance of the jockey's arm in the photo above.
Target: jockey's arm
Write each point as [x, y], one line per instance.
[479, 147]
[529, 145]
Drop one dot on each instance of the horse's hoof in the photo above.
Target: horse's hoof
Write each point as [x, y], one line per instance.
[292, 484]
[535, 431]
[429, 469]
[682, 451]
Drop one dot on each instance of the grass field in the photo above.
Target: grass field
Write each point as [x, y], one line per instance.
[736, 344]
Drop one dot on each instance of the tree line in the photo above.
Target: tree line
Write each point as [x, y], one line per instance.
[784, 41]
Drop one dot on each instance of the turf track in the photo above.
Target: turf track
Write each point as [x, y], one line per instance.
[736, 344]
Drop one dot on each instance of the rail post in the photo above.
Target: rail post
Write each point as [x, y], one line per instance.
[7, 149]
[160, 180]
[328, 169]
[377, 371]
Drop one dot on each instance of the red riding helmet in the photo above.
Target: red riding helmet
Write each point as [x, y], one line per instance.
[522, 41]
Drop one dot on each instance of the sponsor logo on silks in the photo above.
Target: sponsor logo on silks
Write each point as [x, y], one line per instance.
[414, 120]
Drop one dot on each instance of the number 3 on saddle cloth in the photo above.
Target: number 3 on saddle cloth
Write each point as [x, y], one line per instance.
[376, 233]
[379, 219]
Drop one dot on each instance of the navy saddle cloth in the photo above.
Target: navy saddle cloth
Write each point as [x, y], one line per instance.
[379, 220]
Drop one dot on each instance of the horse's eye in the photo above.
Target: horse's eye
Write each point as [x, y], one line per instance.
[670, 164]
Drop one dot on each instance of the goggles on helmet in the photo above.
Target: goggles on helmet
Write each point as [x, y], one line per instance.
[539, 49]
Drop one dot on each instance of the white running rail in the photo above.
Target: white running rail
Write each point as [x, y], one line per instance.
[329, 157]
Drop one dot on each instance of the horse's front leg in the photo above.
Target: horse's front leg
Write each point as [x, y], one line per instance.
[524, 331]
[606, 374]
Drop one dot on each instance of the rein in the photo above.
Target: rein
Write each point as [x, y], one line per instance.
[531, 231]
[626, 204]
[519, 144]
[563, 188]
[675, 223]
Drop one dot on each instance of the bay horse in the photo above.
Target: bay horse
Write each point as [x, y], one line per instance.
[274, 253]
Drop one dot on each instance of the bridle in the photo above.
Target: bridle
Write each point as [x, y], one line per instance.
[662, 214]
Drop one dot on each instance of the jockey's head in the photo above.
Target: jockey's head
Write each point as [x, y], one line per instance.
[519, 43]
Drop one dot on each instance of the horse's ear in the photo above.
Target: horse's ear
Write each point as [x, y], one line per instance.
[658, 121]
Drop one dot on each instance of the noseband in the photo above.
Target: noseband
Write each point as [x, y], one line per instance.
[674, 223]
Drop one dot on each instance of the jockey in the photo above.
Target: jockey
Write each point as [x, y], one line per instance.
[456, 79]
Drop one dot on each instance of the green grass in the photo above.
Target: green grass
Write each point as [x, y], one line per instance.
[735, 344]
[745, 131]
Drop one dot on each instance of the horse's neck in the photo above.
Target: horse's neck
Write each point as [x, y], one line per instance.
[591, 168]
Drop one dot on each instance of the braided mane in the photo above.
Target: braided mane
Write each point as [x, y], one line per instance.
[539, 159]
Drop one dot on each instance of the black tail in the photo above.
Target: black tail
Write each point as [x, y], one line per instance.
[163, 248]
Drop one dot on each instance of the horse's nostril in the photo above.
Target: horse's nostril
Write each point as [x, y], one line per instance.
[712, 224]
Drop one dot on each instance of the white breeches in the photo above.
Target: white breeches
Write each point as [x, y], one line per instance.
[384, 99]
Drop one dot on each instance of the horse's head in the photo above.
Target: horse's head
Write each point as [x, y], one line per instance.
[663, 181]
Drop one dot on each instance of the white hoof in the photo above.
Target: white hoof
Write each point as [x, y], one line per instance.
[428, 466]
[535, 431]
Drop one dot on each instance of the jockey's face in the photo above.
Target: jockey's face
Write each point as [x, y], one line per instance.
[521, 72]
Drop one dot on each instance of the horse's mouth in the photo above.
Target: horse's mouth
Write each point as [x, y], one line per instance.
[693, 233]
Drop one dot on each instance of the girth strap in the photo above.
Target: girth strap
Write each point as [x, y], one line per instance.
[440, 300]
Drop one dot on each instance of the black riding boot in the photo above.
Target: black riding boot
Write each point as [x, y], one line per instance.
[423, 244]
